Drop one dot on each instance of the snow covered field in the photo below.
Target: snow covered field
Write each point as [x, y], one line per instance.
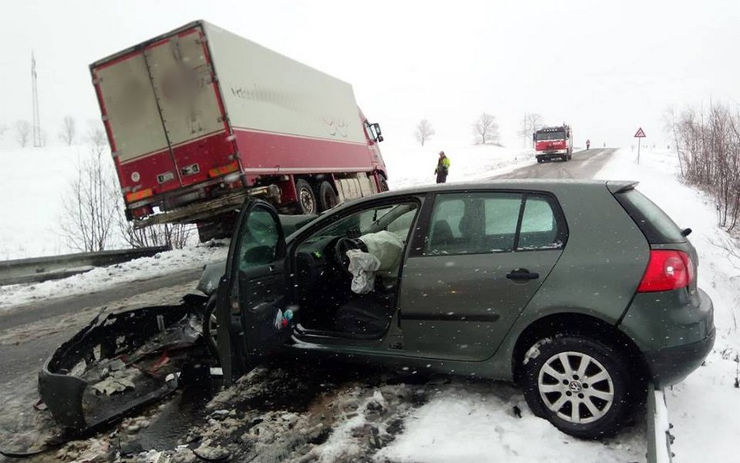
[460, 420]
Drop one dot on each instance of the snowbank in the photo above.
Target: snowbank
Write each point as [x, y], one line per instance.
[101, 278]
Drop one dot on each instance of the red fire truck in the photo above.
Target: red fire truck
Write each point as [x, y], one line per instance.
[199, 118]
[553, 143]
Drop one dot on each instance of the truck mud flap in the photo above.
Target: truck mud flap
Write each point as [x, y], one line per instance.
[121, 363]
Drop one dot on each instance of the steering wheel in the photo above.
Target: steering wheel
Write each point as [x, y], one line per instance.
[343, 245]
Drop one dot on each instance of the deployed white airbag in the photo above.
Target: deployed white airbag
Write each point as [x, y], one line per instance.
[362, 265]
[387, 247]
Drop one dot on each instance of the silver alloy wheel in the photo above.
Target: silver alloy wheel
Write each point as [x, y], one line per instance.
[213, 328]
[578, 395]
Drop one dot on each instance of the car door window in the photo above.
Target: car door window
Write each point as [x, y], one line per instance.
[473, 223]
[258, 240]
[540, 228]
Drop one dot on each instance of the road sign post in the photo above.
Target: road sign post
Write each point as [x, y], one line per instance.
[639, 135]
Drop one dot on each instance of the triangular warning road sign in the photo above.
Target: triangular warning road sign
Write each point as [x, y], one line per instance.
[640, 133]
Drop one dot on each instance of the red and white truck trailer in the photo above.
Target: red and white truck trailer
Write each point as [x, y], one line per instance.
[199, 118]
[553, 143]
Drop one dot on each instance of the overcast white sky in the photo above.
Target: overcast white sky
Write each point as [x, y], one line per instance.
[604, 67]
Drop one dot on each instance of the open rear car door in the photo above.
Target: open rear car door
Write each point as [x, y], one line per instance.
[251, 304]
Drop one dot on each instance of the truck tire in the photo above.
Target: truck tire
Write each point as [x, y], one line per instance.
[383, 183]
[305, 197]
[327, 196]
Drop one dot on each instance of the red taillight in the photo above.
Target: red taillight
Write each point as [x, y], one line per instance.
[667, 270]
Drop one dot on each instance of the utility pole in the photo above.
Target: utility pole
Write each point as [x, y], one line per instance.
[37, 142]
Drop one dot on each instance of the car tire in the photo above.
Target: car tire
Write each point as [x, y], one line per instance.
[210, 325]
[588, 401]
[327, 196]
[305, 197]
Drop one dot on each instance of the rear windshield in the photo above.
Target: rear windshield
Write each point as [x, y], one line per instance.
[655, 224]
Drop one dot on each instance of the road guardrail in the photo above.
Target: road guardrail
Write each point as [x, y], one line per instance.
[38, 269]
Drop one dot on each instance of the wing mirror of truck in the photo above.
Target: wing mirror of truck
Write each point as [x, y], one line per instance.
[376, 130]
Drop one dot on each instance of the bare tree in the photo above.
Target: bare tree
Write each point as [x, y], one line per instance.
[22, 132]
[91, 206]
[424, 131]
[485, 129]
[3, 129]
[68, 132]
[530, 123]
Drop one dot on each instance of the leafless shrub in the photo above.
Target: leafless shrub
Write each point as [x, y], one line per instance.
[69, 130]
[175, 236]
[708, 148]
[485, 129]
[91, 206]
[424, 131]
[22, 132]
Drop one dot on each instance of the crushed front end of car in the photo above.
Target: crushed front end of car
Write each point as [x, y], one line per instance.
[122, 362]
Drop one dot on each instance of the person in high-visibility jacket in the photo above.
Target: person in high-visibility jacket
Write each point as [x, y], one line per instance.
[443, 167]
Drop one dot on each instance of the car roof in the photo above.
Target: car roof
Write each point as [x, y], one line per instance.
[516, 184]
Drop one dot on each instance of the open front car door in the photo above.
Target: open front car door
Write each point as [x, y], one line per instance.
[251, 312]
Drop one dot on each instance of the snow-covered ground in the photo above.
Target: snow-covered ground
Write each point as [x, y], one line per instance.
[34, 181]
[460, 420]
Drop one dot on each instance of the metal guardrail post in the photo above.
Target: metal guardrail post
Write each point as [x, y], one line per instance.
[659, 438]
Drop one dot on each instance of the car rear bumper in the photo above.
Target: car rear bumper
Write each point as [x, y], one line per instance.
[673, 329]
[671, 365]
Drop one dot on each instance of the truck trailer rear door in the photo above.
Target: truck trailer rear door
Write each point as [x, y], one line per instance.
[189, 103]
[129, 106]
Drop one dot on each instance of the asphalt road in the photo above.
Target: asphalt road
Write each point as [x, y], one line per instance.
[584, 164]
[30, 333]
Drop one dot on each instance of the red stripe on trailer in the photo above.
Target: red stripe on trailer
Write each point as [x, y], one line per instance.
[272, 152]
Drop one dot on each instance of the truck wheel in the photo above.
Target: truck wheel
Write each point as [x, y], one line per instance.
[383, 182]
[579, 384]
[327, 196]
[305, 196]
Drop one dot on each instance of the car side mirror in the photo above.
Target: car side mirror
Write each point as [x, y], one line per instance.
[686, 232]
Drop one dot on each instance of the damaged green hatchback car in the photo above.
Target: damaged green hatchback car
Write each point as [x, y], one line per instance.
[581, 292]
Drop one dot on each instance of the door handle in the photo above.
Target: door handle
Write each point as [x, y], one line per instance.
[522, 274]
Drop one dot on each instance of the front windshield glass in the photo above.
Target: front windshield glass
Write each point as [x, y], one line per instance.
[540, 136]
